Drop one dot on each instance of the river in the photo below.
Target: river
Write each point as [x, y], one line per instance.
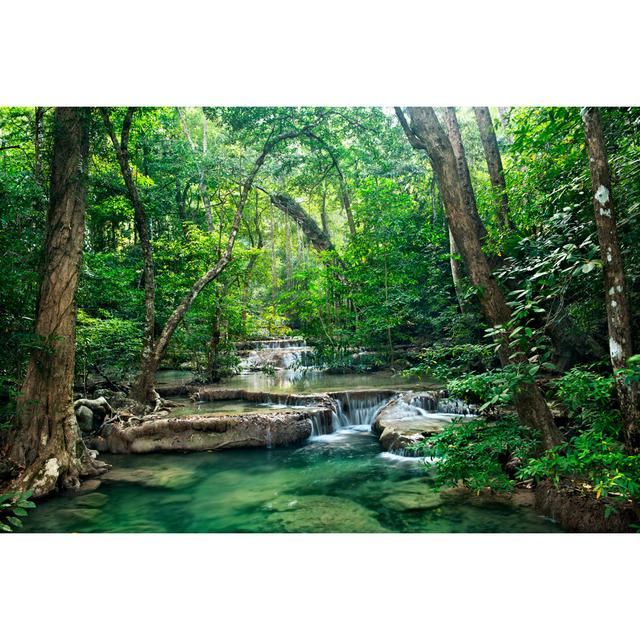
[339, 482]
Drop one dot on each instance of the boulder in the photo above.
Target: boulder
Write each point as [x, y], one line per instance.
[411, 418]
[84, 416]
[210, 433]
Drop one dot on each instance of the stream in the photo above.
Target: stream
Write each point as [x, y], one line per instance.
[337, 482]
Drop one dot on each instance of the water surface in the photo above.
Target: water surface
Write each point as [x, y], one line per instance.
[334, 483]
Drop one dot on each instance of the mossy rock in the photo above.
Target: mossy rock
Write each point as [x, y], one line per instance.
[91, 500]
[78, 517]
[413, 495]
[321, 514]
[159, 478]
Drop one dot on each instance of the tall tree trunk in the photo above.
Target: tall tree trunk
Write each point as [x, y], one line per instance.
[425, 133]
[617, 303]
[323, 211]
[46, 448]
[494, 163]
[455, 137]
[143, 388]
[456, 271]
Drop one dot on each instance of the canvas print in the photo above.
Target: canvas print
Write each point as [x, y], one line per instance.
[319, 319]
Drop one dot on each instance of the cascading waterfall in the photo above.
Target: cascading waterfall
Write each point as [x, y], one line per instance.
[431, 403]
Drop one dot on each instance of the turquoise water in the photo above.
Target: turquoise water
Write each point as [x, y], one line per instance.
[335, 483]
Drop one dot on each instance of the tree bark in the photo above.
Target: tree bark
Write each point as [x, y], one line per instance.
[142, 389]
[455, 137]
[617, 303]
[323, 211]
[456, 271]
[426, 133]
[46, 447]
[494, 164]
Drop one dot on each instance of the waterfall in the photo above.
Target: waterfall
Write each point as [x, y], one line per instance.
[321, 423]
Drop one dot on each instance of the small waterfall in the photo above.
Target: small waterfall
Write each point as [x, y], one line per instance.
[338, 416]
[427, 402]
[454, 405]
[435, 402]
[321, 423]
[362, 407]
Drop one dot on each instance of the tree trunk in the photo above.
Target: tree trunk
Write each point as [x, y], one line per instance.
[618, 313]
[425, 133]
[46, 447]
[323, 211]
[455, 137]
[494, 163]
[456, 272]
[143, 389]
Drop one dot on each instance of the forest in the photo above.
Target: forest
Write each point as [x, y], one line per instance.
[319, 319]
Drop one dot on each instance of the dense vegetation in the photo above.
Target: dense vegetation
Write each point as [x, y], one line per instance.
[343, 237]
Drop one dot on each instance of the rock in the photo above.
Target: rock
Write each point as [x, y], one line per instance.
[92, 500]
[162, 478]
[210, 433]
[317, 514]
[89, 485]
[84, 416]
[405, 421]
[412, 495]
[79, 517]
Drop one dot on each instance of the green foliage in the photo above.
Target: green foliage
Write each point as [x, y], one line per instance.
[587, 395]
[476, 452]
[109, 346]
[597, 460]
[595, 456]
[13, 506]
[444, 361]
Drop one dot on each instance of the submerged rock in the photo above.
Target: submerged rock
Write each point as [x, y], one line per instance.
[321, 514]
[159, 478]
[92, 500]
[412, 495]
[79, 517]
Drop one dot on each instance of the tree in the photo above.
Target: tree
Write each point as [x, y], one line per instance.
[615, 290]
[46, 447]
[494, 163]
[455, 137]
[425, 132]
